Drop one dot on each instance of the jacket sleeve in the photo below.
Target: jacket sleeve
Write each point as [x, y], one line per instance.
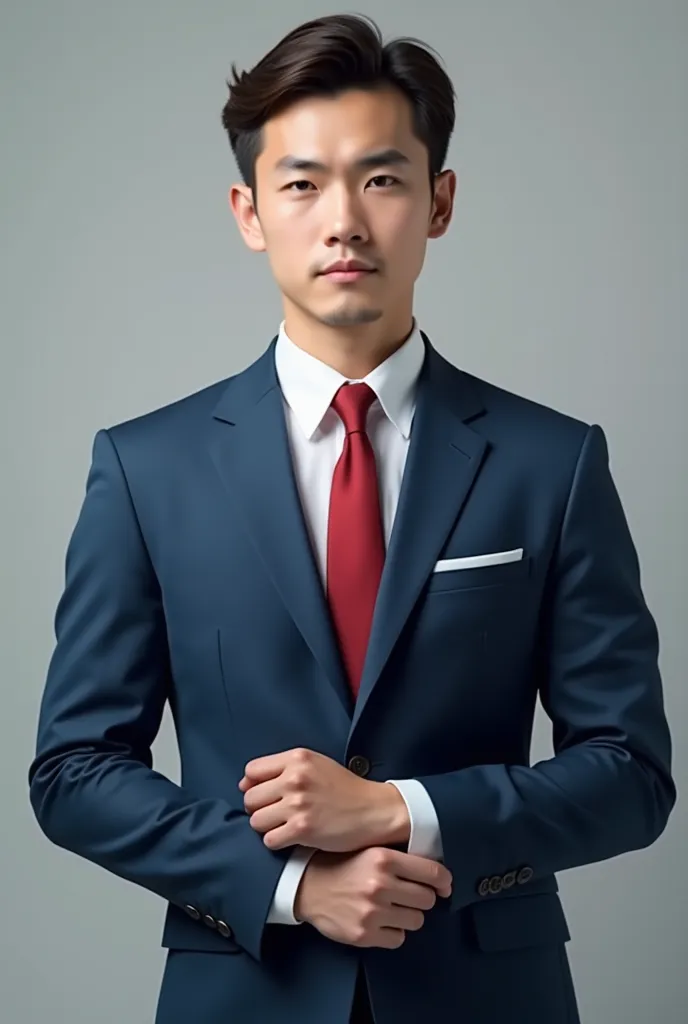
[608, 789]
[92, 786]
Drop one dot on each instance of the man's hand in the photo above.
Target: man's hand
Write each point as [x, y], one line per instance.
[303, 797]
[369, 898]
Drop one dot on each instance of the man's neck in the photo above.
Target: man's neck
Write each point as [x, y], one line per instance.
[352, 351]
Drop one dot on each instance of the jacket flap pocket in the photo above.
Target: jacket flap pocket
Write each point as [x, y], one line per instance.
[519, 922]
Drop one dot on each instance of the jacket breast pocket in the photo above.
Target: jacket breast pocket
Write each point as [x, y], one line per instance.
[479, 577]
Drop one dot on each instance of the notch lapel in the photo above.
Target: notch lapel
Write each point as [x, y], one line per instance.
[443, 459]
[252, 454]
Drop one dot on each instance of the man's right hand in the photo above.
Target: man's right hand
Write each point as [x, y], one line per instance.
[371, 897]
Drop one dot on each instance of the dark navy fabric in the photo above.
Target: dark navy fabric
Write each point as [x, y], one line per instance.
[190, 579]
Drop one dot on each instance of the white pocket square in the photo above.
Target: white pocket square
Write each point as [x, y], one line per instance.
[478, 561]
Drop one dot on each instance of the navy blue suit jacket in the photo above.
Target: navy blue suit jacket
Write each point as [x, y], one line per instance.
[190, 579]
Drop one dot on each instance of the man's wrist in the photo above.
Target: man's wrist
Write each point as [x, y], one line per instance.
[391, 824]
[298, 910]
[300, 907]
[298, 899]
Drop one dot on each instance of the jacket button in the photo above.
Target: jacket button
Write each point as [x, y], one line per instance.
[509, 879]
[495, 884]
[224, 930]
[210, 921]
[484, 887]
[359, 765]
[192, 912]
[524, 875]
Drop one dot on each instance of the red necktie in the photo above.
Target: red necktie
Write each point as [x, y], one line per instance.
[355, 537]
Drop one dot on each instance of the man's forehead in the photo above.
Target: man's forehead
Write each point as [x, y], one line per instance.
[355, 128]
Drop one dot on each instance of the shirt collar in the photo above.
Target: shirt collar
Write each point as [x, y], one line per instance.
[309, 385]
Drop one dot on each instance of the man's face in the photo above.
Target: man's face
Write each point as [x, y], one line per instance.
[344, 179]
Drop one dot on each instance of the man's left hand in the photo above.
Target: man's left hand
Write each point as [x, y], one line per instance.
[303, 797]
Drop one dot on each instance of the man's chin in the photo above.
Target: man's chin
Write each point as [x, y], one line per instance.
[350, 317]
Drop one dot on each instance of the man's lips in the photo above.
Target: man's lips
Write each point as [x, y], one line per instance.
[346, 275]
[347, 270]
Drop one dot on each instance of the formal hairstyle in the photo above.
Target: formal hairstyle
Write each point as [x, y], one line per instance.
[325, 57]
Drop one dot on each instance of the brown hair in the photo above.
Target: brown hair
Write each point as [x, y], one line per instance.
[325, 57]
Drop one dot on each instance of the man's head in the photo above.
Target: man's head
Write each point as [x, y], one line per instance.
[340, 141]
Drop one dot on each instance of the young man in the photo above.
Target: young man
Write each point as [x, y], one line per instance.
[350, 569]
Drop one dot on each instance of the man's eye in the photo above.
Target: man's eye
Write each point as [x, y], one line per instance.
[291, 187]
[385, 178]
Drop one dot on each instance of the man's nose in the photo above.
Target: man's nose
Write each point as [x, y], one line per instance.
[345, 221]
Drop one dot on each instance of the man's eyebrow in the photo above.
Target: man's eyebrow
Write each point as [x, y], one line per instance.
[380, 158]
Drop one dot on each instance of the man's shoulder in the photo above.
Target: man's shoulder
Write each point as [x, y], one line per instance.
[178, 414]
[186, 418]
[514, 411]
[518, 422]
[528, 409]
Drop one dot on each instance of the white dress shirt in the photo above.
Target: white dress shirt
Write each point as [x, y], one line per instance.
[316, 437]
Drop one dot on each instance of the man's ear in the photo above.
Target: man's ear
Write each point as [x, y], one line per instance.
[442, 204]
[242, 206]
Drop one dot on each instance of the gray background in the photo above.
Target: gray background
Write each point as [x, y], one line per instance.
[125, 285]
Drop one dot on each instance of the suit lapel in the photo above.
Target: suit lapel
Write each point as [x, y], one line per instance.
[251, 450]
[443, 460]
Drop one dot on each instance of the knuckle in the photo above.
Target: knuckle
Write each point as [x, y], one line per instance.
[302, 822]
[373, 887]
[381, 858]
[298, 779]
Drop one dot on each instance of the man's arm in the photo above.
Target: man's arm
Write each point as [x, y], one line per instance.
[92, 786]
[608, 789]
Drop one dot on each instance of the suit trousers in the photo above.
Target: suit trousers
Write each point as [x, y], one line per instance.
[361, 1012]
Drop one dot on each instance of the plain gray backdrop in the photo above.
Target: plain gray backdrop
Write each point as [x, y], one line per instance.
[125, 285]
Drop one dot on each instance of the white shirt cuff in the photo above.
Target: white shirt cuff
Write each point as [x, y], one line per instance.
[282, 906]
[426, 838]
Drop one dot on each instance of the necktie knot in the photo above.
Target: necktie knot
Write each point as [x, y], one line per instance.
[352, 403]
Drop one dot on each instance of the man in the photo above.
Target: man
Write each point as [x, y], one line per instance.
[350, 569]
